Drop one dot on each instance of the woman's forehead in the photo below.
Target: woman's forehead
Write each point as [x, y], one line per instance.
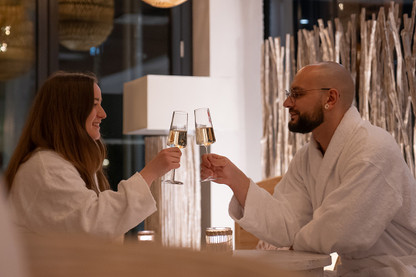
[97, 91]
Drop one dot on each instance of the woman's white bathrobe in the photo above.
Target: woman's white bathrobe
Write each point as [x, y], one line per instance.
[49, 195]
[359, 200]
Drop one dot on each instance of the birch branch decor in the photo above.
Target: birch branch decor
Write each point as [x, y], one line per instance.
[385, 79]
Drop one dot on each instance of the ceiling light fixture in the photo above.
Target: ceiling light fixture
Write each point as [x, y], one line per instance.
[164, 3]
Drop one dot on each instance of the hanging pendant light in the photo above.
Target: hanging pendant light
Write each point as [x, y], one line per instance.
[164, 3]
[85, 23]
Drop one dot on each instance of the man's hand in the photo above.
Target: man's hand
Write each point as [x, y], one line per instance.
[225, 172]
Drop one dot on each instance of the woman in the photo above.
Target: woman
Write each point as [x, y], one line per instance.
[55, 177]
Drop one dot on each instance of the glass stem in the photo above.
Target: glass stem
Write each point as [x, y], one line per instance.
[206, 152]
[173, 177]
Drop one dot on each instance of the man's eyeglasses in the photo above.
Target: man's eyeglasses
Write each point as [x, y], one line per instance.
[294, 94]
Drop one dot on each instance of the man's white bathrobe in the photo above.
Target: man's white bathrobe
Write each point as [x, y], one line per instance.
[49, 195]
[358, 200]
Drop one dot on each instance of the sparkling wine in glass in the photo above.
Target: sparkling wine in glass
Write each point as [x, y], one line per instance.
[204, 131]
[177, 136]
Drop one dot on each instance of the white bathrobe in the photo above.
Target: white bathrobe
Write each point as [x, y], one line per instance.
[358, 200]
[49, 195]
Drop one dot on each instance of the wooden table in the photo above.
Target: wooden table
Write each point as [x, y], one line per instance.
[303, 263]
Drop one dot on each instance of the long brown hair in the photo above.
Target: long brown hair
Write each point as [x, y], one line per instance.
[56, 121]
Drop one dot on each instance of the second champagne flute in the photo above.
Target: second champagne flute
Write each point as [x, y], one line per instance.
[204, 131]
[177, 136]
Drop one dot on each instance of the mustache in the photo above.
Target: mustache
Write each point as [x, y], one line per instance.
[293, 111]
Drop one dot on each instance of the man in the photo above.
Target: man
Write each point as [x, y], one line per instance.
[347, 191]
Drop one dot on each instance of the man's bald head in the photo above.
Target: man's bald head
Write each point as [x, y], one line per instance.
[332, 75]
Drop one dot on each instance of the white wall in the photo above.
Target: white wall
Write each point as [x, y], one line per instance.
[227, 43]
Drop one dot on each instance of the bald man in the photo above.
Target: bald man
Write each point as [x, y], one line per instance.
[348, 190]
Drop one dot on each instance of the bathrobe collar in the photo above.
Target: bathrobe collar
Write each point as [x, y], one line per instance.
[322, 166]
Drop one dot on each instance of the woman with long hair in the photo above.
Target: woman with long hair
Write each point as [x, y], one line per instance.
[55, 178]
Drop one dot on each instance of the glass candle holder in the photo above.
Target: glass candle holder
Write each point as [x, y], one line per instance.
[219, 239]
[146, 236]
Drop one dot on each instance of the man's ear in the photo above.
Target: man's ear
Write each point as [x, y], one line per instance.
[333, 98]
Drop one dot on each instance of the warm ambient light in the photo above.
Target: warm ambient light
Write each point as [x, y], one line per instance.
[3, 47]
[164, 3]
[84, 24]
[6, 30]
[106, 162]
[17, 30]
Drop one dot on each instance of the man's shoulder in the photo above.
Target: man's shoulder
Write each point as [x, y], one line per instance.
[373, 143]
[375, 134]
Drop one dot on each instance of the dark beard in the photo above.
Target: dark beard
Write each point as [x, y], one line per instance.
[307, 123]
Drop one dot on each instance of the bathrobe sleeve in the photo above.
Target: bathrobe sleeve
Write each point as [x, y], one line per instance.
[275, 219]
[48, 195]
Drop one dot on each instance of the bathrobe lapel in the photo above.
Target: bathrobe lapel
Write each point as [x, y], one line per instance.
[322, 167]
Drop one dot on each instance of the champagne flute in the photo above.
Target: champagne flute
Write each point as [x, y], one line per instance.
[204, 131]
[177, 136]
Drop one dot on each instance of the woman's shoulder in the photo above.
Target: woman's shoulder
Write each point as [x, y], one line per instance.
[45, 166]
[45, 158]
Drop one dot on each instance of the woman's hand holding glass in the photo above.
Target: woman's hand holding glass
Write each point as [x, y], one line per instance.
[166, 160]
